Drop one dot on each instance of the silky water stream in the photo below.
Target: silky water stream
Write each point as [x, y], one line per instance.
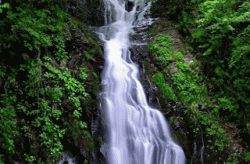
[137, 133]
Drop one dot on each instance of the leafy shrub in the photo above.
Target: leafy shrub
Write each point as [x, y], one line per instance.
[8, 129]
[163, 48]
[5, 5]
[178, 56]
[29, 159]
[222, 39]
[37, 29]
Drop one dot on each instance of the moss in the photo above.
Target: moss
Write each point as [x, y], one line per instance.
[150, 32]
[87, 54]
[74, 128]
[90, 140]
[95, 88]
[95, 75]
[96, 85]
[178, 104]
[148, 68]
[93, 51]
[172, 119]
[100, 139]
[162, 45]
[178, 56]
[33, 146]
[159, 80]
[100, 51]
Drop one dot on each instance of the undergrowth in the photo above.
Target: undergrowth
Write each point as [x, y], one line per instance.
[187, 86]
[36, 89]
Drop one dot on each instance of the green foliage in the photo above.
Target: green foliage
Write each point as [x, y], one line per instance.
[172, 119]
[241, 44]
[87, 54]
[91, 142]
[221, 35]
[159, 80]
[71, 84]
[163, 48]
[75, 129]
[188, 85]
[221, 141]
[247, 157]
[247, 130]
[37, 28]
[1, 155]
[184, 11]
[8, 129]
[50, 138]
[33, 146]
[29, 159]
[231, 163]
[178, 56]
[63, 83]
[83, 125]
[2, 6]
[151, 31]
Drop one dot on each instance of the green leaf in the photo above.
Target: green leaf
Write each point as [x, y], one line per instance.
[61, 133]
[83, 124]
[203, 46]
[47, 58]
[247, 157]
[76, 114]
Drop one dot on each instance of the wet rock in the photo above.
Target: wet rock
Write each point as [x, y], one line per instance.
[89, 11]
[237, 148]
[75, 60]
[104, 150]
[129, 5]
[176, 124]
[67, 33]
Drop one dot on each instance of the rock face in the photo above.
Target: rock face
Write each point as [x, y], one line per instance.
[174, 112]
[172, 68]
[85, 51]
[88, 11]
[194, 143]
[194, 148]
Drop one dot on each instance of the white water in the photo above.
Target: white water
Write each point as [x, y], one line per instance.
[139, 134]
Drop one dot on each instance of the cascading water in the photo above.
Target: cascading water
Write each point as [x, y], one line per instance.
[138, 134]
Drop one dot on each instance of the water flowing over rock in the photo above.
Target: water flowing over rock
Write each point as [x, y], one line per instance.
[137, 133]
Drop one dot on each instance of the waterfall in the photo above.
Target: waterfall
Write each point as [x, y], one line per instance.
[138, 134]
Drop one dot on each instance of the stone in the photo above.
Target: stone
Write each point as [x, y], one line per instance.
[173, 68]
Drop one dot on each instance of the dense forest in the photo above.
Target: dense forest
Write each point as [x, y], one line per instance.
[51, 62]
